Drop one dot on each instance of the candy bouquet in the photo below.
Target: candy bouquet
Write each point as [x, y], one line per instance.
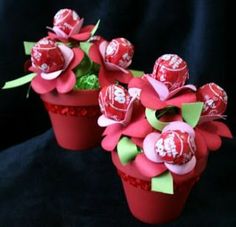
[160, 132]
[67, 69]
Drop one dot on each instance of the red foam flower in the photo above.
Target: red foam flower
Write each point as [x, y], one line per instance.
[67, 26]
[113, 132]
[155, 95]
[63, 80]
[109, 73]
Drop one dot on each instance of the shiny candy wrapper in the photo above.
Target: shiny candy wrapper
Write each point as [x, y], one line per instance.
[214, 99]
[175, 147]
[114, 101]
[119, 52]
[46, 56]
[171, 70]
[66, 20]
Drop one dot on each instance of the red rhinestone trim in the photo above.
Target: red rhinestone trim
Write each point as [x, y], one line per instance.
[75, 111]
[138, 183]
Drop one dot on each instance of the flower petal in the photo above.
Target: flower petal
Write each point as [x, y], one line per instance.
[81, 36]
[222, 129]
[201, 150]
[160, 88]
[181, 89]
[51, 76]
[212, 140]
[42, 86]
[182, 169]
[149, 147]
[78, 57]
[150, 99]
[133, 129]
[95, 55]
[77, 27]
[87, 28]
[102, 48]
[137, 141]
[103, 121]
[110, 141]
[103, 78]
[148, 168]
[68, 54]
[187, 97]
[65, 82]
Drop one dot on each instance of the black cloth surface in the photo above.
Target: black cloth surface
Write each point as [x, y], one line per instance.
[193, 29]
[44, 185]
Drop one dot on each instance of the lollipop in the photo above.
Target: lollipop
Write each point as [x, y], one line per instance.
[119, 52]
[46, 56]
[171, 70]
[214, 99]
[114, 101]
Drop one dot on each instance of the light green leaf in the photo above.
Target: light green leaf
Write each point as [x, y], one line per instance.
[137, 73]
[95, 28]
[191, 112]
[28, 46]
[163, 183]
[19, 82]
[126, 150]
[153, 121]
[85, 46]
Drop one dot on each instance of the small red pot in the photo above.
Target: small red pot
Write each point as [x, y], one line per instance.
[74, 118]
[154, 207]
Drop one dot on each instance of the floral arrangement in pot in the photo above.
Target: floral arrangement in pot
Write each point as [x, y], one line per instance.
[67, 68]
[160, 132]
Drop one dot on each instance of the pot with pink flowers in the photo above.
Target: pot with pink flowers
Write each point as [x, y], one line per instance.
[67, 69]
[159, 133]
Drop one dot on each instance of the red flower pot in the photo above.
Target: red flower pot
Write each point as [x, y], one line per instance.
[154, 207]
[74, 118]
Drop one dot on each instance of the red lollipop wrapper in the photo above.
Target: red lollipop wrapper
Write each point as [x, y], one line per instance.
[171, 70]
[175, 147]
[46, 56]
[214, 99]
[119, 52]
[114, 102]
[67, 20]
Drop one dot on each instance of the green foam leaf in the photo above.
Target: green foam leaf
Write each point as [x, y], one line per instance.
[85, 46]
[163, 183]
[126, 150]
[28, 46]
[19, 82]
[153, 121]
[137, 73]
[95, 28]
[191, 112]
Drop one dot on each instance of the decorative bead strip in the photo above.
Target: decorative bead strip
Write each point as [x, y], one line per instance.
[146, 185]
[138, 183]
[75, 111]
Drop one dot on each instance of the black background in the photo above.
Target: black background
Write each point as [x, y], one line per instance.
[44, 185]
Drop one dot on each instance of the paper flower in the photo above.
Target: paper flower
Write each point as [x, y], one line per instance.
[67, 25]
[165, 86]
[113, 57]
[173, 149]
[54, 66]
[121, 115]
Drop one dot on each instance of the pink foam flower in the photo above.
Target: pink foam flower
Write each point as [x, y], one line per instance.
[113, 63]
[177, 157]
[48, 75]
